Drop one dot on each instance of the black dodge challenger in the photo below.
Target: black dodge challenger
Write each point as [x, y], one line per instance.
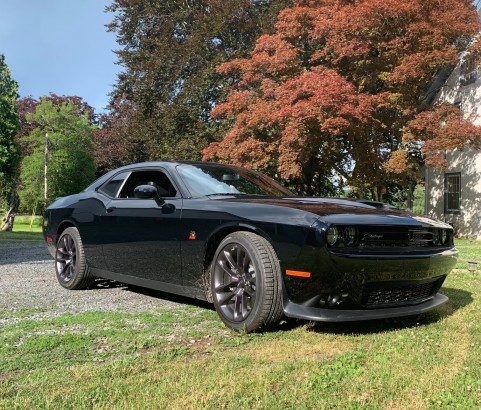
[238, 239]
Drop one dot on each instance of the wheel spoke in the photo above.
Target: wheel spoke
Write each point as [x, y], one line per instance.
[66, 243]
[62, 258]
[230, 259]
[240, 305]
[62, 251]
[225, 297]
[232, 275]
[225, 286]
[65, 268]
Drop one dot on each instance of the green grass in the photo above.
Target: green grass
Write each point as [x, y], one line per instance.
[35, 220]
[468, 251]
[184, 358]
[21, 235]
[27, 223]
[24, 229]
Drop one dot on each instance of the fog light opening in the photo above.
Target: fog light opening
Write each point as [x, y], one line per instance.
[333, 300]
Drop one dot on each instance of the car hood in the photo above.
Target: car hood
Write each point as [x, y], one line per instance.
[343, 211]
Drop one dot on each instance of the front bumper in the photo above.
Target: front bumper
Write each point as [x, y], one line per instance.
[355, 273]
[298, 311]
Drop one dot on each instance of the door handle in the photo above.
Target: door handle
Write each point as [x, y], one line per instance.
[111, 209]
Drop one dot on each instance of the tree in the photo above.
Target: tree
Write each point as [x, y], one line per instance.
[71, 152]
[330, 93]
[170, 50]
[9, 150]
[27, 106]
[116, 138]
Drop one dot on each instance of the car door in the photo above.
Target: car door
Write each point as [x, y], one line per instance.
[141, 236]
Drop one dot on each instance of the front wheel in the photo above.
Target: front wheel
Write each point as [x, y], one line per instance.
[70, 264]
[246, 283]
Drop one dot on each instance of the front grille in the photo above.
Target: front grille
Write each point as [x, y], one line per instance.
[389, 294]
[396, 237]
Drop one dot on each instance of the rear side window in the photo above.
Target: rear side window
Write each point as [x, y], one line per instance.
[112, 186]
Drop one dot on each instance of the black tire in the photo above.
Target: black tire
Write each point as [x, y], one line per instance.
[70, 264]
[246, 283]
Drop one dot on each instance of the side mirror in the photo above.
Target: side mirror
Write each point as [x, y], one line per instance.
[146, 192]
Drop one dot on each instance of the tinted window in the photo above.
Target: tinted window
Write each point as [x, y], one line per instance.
[112, 186]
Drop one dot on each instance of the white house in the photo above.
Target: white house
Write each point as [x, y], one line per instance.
[454, 195]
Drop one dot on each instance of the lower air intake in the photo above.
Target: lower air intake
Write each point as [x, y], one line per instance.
[390, 294]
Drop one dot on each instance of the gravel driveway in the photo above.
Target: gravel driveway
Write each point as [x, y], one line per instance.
[27, 281]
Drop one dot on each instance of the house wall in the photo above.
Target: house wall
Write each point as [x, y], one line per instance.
[465, 92]
[467, 222]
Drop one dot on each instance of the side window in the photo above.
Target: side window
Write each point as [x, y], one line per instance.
[452, 193]
[112, 186]
[157, 178]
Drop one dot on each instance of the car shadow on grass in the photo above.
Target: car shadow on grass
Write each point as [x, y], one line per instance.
[182, 300]
[169, 297]
[457, 299]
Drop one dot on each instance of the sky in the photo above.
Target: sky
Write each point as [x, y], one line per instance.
[59, 46]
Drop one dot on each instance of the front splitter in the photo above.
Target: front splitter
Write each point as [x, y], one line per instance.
[298, 311]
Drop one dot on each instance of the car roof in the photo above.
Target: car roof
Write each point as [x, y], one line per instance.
[166, 164]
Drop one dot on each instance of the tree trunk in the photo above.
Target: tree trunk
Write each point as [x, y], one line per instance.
[8, 219]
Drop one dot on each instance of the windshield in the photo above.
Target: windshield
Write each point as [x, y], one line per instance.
[211, 179]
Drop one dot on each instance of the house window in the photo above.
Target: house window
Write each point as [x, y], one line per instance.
[452, 193]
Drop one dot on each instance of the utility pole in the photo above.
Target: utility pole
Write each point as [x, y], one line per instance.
[45, 198]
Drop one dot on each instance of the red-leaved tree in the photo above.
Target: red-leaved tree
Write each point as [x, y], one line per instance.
[333, 92]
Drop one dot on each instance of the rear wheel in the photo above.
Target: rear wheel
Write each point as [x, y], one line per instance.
[245, 283]
[70, 264]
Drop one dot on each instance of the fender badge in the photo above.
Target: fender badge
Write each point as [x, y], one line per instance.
[192, 236]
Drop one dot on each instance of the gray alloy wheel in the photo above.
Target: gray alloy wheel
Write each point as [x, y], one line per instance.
[70, 264]
[245, 283]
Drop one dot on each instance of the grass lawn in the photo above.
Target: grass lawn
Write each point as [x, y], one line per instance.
[22, 233]
[185, 359]
[25, 228]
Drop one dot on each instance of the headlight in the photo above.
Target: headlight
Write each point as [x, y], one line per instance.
[350, 236]
[436, 236]
[332, 235]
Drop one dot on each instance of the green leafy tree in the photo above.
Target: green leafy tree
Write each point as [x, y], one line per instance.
[71, 153]
[9, 149]
[162, 101]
